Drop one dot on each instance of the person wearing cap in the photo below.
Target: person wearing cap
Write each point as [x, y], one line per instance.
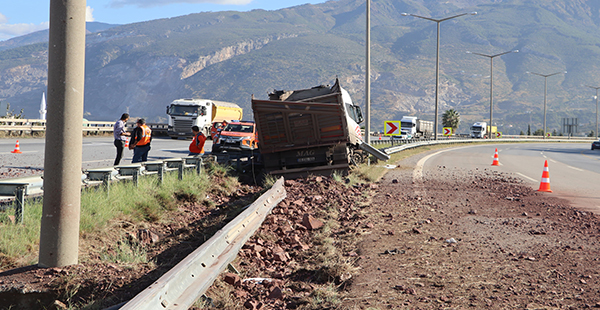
[120, 135]
[140, 141]
[197, 145]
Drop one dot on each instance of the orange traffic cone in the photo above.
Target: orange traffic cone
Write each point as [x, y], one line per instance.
[545, 184]
[17, 149]
[126, 143]
[496, 162]
[379, 136]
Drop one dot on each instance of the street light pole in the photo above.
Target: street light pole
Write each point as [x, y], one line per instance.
[596, 88]
[546, 91]
[437, 61]
[491, 57]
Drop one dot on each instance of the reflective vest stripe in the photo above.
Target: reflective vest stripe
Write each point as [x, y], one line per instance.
[146, 134]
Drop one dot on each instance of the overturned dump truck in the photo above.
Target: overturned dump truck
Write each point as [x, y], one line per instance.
[310, 131]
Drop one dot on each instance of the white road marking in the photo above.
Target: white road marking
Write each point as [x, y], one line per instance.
[418, 172]
[97, 161]
[22, 152]
[574, 168]
[524, 176]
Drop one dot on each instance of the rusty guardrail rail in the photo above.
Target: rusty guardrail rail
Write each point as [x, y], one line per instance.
[181, 286]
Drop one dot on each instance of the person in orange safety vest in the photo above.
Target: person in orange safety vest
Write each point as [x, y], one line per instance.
[197, 145]
[140, 141]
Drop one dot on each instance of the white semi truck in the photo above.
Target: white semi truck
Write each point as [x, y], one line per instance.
[479, 130]
[185, 113]
[411, 127]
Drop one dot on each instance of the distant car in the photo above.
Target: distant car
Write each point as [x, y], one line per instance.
[596, 145]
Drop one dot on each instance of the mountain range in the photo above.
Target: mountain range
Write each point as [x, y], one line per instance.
[230, 56]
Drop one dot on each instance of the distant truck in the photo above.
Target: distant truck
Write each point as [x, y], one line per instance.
[310, 131]
[185, 113]
[482, 130]
[479, 130]
[411, 127]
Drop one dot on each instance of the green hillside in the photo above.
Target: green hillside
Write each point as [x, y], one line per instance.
[231, 55]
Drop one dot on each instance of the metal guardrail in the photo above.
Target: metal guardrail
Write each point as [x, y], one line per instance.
[180, 287]
[417, 143]
[32, 126]
[19, 188]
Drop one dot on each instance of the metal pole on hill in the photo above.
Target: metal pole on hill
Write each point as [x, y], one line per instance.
[491, 57]
[596, 97]
[368, 77]
[437, 62]
[546, 76]
[59, 233]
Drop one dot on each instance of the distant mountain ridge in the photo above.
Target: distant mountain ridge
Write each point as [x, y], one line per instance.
[231, 55]
[42, 36]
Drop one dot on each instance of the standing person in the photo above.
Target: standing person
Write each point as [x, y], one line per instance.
[120, 135]
[197, 145]
[140, 141]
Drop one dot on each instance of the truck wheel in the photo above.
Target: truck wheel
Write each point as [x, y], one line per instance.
[356, 159]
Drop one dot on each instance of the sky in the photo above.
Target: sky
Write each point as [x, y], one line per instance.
[22, 17]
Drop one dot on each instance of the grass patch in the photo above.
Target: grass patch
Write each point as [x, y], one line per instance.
[106, 217]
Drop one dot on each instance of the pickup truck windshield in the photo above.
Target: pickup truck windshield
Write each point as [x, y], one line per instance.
[184, 110]
[239, 128]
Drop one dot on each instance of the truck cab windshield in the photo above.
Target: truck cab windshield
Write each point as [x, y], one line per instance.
[183, 110]
[407, 125]
[354, 112]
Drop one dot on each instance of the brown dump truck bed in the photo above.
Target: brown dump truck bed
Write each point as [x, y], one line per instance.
[290, 125]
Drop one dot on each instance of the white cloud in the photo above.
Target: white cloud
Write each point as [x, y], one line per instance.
[8, 31]
[154, 3]
[89, 14]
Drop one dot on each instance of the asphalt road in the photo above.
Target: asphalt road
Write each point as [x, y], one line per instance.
[574, 168]
[97, 152]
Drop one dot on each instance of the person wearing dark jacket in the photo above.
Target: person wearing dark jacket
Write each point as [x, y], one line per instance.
[120, 134]
[140, 141]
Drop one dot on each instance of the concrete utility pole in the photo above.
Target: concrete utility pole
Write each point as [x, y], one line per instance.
[59, 236]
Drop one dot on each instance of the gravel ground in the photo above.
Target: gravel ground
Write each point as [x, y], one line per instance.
[474, 239]
[457, 239]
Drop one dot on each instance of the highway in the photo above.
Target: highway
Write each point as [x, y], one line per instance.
[574, 168]
[97, 152]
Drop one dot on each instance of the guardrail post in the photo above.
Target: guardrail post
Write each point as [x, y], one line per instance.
[161, 173]
[180, 171]
[106, 183]
[135, 177]
[198, 165]
[20, 201]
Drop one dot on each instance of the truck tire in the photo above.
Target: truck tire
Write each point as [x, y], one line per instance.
[356, 157]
